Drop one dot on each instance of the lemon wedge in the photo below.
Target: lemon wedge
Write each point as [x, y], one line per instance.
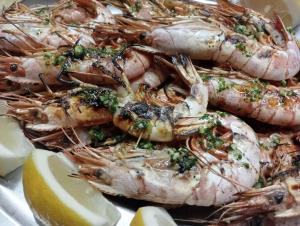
[152, 216]
[14, 146]
[58, 199]
[6, 4]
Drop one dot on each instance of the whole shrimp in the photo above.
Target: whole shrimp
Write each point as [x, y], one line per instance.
[75, 108]
[156, 123]
[142, 9]
[203, 176]
[239, 36]
[253, 98]
[274, 199]
[89, 65]
[24, 30]
[81, 12]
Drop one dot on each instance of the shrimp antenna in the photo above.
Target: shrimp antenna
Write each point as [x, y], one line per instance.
[14, 45]
[41, 76]
[12, 23]
[124, 80]
[63, 71]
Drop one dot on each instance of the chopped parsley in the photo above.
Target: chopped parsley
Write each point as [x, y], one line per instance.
[182, 158]
[222, 113]
[275, 140]
[287, 93]
[145, 144]
[260, 183]
[246, 165]
[136, 7]
[212, 120]
[212, 141]
[205, 77]
[79, 52]
[237, 154]
[242, 47]
[141, 124]
[223, 85]
[272, 142]
[53, 59]
[96, 134]
[59, 60]
[98, 97]
[242, 29]
[283, 83]
[291, 30]
[253, 94]
[102, 52]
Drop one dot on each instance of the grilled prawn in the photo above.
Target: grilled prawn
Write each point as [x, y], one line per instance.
[25, 31]
[154, 122]
[253, 98]
[227, 33]
[205, 175]
[75, 108]
[276, 194]
[85, 13]
[89, 65]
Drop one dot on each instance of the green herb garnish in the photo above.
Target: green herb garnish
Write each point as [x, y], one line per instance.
[291, 30]
[96, 134]
[205, 77]
[223, 85]
[260, 183]
[246, 165]
[222, 113]
[283, 83]
[242, 29]
[98, 97]
[253, 94]
[242, 47]
[141, 124]
[275, 140]
[287, 93]
[145, 144]
[237, 154]
[182, 158]
[136, 7]
[79, 52]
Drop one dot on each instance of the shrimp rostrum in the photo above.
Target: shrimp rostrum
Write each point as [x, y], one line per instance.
[211, 173]
[245, 39]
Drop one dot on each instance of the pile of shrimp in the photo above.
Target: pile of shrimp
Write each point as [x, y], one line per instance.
[173, 102]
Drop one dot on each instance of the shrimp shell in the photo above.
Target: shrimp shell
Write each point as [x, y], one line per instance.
[276, 106]
[140, 174]
[67, 111]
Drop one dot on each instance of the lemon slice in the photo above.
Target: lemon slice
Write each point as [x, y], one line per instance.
[58, 199]
[7, 3]
[152, 216]
[14, 146]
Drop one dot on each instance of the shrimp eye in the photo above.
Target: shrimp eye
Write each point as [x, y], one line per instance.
[143, 35]
[13, 67]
